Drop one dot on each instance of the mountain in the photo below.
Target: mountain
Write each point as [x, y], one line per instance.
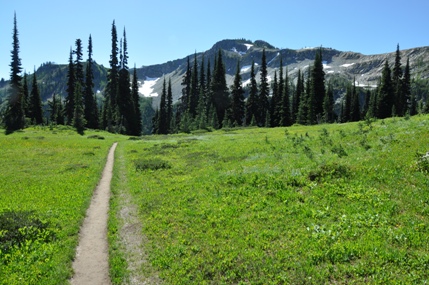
[339, 65]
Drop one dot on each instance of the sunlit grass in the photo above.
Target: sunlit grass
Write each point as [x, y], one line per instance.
[50, 174]
[300, 205]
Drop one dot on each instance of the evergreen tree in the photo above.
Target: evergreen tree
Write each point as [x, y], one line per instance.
[297, 97]
[35, 108]
[397, 85]
[60, 111]
[385, 96]
[71, 81]
[354, 106]
[79, 75]
[136, 128]
[78, 114]
[14, 117]
[367, 102]
[406, 87]
[264, 91]
[91, 109]
[252, 100]
[110, 108]
[373, 105]
[318, 87]
[311, 99]
[347, 105]
[303, 100]
[186, 89]
[26, 96]
[218, 88]
[281, 89]
[169, 106]
[125, 101]
[275, 101]
[195, 89]
[328, 105]
[237, 102]
[285, 114]
[162, 115]
[53, 109]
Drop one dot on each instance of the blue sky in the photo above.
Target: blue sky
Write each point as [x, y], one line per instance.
[159, 31]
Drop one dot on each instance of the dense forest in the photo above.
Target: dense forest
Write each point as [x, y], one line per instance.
[206, 102]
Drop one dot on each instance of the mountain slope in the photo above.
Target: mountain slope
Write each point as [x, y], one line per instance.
[366, 69]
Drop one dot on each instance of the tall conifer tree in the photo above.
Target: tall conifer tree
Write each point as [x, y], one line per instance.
[385, 95]
[35, 107]
[110, 108]
[285, 111]
[237, 102]
[219, 89]
[26, 96]
[137, 121]
[318, 90]
[71, 82]
[91, 108]
[264, 91]
[252, 101]
[14, 117]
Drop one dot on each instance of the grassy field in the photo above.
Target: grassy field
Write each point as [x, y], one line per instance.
[46, 182]
[323, 204]
[342, 204]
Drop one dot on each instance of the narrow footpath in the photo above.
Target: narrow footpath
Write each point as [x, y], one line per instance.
[91, 264]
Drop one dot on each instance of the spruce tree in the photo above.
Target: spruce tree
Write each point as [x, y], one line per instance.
[406, 87]
[110, 108]
[186, 89]
[347, 104]
[275, 100]
[14, 117]
[71, 82]
[78, 114]
[397, 84]
[297, 97]
[26, 96]
[301, 93]
[137, 120]
[237, 102]
[318, 87]
[285, 111]
[279, 105]
[195, 89]
[124, 99]
[91, 109]
[218, 88]
[385, 96]
[35, 108]
[328, 105]
[264, 91]
[252, 100]
[354, 105]
[162, 115]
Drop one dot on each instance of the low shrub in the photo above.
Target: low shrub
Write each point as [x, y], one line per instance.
[151, 164]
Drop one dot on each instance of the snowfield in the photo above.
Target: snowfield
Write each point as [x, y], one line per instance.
[146, 89]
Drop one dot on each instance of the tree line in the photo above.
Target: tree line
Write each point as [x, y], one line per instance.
[207, 102]
[119, 112]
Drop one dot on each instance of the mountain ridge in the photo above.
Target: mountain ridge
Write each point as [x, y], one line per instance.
[342, 65]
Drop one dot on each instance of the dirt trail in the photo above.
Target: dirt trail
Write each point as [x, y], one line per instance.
[91, 265]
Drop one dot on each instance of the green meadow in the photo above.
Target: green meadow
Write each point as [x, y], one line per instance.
[326, 204]
[46, 183]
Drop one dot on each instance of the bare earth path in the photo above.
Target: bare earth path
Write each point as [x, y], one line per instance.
[92, 255]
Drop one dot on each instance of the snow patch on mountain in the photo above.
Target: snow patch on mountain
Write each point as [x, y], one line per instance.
[239, 52]
[248, 46]
[245, 68]
[347, 64]
[146, 89]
